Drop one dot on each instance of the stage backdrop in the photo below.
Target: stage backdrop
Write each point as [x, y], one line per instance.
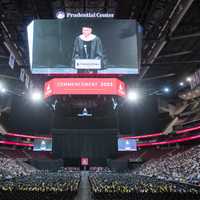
[95, 144]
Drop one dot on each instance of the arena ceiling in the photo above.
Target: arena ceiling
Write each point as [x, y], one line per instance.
[170, 41]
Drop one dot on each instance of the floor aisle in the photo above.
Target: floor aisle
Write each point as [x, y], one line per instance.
[84, 188]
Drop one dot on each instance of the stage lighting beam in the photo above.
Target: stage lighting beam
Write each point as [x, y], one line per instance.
[166, 90]
[181, 84]
[133, 95]
[188, 79]
[36, 96]
[3, 90]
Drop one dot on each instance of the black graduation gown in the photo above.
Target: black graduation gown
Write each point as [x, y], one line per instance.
[96, 50]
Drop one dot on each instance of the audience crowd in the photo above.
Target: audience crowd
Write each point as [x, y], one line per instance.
[181, 167]
[41, 185]
[129, 186]
[18, 180]
[10, 168]
[100, 169]
[171, 176]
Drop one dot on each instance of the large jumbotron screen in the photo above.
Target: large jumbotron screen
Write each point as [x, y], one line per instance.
[127, 144]
[100, 46]
[42, 145]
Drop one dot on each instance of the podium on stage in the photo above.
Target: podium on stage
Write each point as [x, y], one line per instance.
[88, 64]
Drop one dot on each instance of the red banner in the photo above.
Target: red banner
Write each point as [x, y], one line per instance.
[84, 161]
[84, 86]
[16, 143]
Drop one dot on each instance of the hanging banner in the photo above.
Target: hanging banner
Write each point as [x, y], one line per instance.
[84, 161]
[195, 79]
[27, 80]
[12, 61]
[84, 86]
[22, 74]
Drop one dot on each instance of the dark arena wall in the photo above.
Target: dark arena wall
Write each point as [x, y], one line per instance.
[97, 145]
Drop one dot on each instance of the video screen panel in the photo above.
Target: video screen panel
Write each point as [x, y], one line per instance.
[99, 46]
[42, 145]
[127, 144]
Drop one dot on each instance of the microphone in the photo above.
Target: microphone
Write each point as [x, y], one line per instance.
[86, 52]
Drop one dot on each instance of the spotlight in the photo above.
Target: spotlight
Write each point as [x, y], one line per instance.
[36, 96]
[188, 79]
[60, 14]
[181, 84]
[3, 90]
[133, 95]
[166, 90]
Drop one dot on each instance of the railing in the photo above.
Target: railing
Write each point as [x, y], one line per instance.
[147, 144]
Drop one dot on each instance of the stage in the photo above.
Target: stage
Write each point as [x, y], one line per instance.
[97, 145]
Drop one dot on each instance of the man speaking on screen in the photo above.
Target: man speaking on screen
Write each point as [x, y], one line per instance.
[88, 46]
